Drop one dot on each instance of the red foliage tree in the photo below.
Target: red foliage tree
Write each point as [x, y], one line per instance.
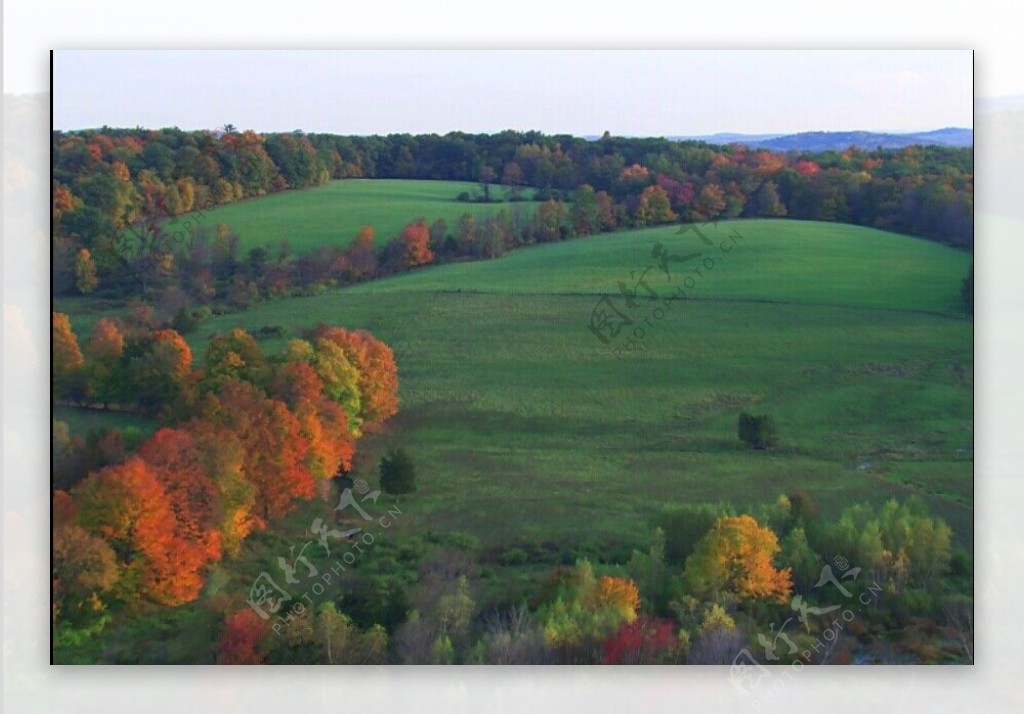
[239, 643]
[645, 641]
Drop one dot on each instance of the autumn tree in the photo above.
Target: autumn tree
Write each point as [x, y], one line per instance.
[585, 211]
[274, 449]
[86, 279]
[126, 505]
[68, 362]
[735, 558]
[710, 202]
[235, 355]
[160, 374]
[104, 351]
[338, 373]
[324, 423]
[644, 641]
[412, 248]
[84, 566]
[361, 256]
[223, 456]
[191, 494]
[240, 641]
[583, 611]
[654, 207]
[378, 373]
[552, 221]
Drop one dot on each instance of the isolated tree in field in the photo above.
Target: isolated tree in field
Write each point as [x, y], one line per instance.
[414, 245]
[735, 558]
[68, 362]
[758, 431]
[397, 472]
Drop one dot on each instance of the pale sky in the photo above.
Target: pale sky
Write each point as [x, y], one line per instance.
[650, 93]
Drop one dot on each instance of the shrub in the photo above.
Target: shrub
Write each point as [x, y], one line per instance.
[758, 431]
[397, 472]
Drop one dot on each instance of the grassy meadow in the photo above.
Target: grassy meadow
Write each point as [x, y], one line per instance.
[526, 427]
[334, 213]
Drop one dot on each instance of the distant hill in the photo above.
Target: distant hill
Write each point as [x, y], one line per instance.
[839, 141]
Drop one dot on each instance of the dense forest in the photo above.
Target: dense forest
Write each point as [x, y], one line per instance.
[115, 189]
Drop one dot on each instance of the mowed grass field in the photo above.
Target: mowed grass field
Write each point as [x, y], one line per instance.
[526, 428]
[334, 213]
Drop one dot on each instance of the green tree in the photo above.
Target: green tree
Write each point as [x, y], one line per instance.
[397, 472]
[758, 431]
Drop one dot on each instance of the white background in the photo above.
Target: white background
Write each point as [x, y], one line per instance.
[32, 29]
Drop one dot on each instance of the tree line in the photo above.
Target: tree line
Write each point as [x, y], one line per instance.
[243, 436]
[107, 180]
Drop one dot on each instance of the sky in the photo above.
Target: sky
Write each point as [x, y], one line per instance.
[581, 92]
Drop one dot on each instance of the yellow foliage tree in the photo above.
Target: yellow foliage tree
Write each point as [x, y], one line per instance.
[735, 557]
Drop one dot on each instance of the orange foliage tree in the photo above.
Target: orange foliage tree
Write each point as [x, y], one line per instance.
[323, 422]
[274, 448]
[191, 494]
[413, 245]
[68, 361]
[126, 505]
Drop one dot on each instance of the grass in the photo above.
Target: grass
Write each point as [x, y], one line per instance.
[525, 426]
[334, 213]
[81, 421]
[537, 440]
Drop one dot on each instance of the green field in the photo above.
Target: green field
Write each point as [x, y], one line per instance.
[334, 213]
[527, 428]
